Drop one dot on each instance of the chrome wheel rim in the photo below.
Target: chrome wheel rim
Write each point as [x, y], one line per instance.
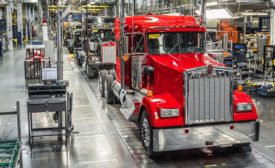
[99, 83]
[146, 132]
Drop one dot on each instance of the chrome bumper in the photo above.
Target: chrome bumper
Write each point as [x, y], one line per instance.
[205, 136]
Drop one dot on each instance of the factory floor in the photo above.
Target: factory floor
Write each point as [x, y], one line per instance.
[102, 137]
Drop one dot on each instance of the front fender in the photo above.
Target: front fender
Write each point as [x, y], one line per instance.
[155, 103]
[242, 97]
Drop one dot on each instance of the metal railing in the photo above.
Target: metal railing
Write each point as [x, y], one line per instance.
[14, 145]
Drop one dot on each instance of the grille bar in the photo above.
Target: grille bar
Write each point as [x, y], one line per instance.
[208, 97]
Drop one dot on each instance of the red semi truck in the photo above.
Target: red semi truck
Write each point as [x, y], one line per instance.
[180, 97]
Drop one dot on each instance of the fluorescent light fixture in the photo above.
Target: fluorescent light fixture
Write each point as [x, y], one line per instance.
[29, 1]
[62, 3]
[172, 14]
[212, 3]
[249, 1]
[217, 13]
[254, 14]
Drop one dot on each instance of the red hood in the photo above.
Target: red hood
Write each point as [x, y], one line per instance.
[182, 62]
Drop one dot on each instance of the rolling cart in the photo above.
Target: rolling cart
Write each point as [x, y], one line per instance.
[51, 96]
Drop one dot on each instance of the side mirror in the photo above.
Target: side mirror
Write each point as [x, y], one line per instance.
[148, 70]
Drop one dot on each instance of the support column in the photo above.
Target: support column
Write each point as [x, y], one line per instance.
[30, 21]
[59, 47]
[27, 22]
[203, 12]
[9, 25]
[122, 47]
[272, 24]
[20, 23]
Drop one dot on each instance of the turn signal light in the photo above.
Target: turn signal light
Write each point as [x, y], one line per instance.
[240, 88]
[149, 93]
[226, 54]
[125, 57]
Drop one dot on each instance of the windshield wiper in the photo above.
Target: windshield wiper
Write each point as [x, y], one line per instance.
[178, 44]
[172, 49]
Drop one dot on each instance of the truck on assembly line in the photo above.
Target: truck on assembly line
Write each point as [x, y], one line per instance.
[180, 97]
[101, 53]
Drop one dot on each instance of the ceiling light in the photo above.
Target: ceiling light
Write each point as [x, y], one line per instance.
[212, 3]
[249, 1]
[254, 14]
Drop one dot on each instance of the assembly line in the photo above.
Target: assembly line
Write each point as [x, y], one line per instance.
[104, 84]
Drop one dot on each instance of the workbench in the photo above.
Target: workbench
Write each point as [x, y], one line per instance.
[50, 99]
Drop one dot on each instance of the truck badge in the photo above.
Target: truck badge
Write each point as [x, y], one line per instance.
[210, 69]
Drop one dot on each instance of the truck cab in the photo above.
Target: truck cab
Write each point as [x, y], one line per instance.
[180, 97]
[74, 42]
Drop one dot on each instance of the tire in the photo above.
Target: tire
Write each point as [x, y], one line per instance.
[71, 50]
[146, 134]
[109, 94]
[79, 60]
[101, 81]
[91, 73]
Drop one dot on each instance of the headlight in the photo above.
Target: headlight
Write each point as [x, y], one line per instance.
[244, 107]
[94, 59]
[169, 113]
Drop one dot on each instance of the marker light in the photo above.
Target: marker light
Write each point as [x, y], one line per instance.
[240, 88]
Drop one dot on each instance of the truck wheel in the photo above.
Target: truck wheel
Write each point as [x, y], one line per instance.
[90, 72]
[101, 81]
[71, 50]
[110, 97]
[146, 134]
[113, 73]
[79, 60]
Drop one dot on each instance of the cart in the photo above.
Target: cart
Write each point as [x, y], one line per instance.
[35, 60]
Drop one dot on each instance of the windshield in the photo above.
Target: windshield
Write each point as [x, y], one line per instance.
[103, 35]
[109, 20]
[174, 43]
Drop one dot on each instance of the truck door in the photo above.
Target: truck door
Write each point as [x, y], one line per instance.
[137, 61]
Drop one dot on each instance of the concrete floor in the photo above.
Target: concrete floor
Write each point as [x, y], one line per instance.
[104, 138]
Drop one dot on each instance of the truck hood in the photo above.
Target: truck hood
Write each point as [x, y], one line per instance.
[182, 62]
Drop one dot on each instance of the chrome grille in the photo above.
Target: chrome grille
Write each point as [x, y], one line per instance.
[108, 53]
[208, 96]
